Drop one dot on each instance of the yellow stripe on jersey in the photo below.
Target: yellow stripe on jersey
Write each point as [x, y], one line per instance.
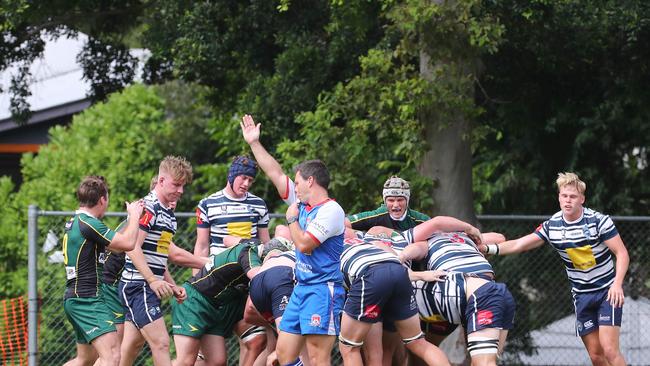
[433, 318]
[163, 242]
[582, 257]
[240, 229]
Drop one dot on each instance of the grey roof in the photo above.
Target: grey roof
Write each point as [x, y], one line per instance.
[57, 88]
[57, 78]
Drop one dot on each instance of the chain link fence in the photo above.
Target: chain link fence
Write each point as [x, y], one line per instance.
[544, 329]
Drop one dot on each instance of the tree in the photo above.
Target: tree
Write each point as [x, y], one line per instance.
[566, 92]
[123, 139]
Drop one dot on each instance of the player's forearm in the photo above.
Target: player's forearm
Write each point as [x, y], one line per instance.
[622, 264]
[301, 239]
[511, 247]
[439, 223]
[201, 248]
[264, 235]
[270, 167]
[137, 257]
[184, 258]
[168, 278]
[125, 240]
[414, 251]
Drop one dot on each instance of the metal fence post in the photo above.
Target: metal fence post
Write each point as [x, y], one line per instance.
[32, 318]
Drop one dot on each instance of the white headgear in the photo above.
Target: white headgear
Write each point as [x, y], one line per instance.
[397, 187]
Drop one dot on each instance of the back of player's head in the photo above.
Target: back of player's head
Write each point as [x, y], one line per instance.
[316, 169]
[91, 189]
[241, 165]
[278, 244]
[570, 179]
[177, 167]
[396, 187]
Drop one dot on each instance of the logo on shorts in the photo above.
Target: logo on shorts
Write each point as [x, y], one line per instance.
[484, 317]
[154, 310]
[315, 320]
[579, 326]
[92, 330]
[192, 328]
[413, 304]
[604, 318]
[283, 303]
[589, 324]
[372, 311]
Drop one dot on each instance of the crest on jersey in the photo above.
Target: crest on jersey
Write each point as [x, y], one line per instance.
[198, 217]
[146, 217]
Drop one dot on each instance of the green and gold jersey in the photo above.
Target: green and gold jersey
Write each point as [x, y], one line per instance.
[364, 221]
[84, 242]
[224, 278]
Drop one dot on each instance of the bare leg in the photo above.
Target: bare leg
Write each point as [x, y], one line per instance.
[609, 340]
[156, 336]
[596, 352]
[132, 343]
[214, 348]
[319, 348]
[108, 348]
[86, 356]
[410, 328]
[288, 347]
[186, 350]
[355, 331]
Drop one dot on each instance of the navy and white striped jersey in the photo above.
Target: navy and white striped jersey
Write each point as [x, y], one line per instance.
[442, 298]
[360, 254]
[397, 242]
[581, 245]
[160, 224]
[225, 215]
[455, 252]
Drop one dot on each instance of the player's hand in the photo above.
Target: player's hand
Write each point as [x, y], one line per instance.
[161, 288]
[433, 276]
[292, 210]
[482, 248]
[249, 130]
[179, 293]
[474, 234]
[135, 208]
[615, 295]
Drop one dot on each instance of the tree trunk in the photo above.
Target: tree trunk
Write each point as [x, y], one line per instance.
[448, 163]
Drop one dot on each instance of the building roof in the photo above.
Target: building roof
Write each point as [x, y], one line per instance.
[57, 81]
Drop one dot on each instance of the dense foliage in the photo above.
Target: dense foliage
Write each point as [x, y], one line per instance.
[529, 88]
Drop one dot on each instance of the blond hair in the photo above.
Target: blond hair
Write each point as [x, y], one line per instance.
[570, 179]
[177, 167]
[153, 183]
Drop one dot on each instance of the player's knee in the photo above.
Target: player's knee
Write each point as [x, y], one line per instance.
[159, 344]
[349, 343]
[256, 344]
[611, 353]
[409, 340]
